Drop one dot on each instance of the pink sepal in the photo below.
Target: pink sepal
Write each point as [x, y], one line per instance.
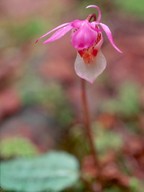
[58, 34]
[56, 28]
[99, 11]
[109, 35]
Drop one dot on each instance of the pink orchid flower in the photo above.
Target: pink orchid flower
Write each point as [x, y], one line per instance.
[87, 39]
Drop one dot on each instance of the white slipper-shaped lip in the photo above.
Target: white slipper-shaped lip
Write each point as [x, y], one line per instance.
[90, 71]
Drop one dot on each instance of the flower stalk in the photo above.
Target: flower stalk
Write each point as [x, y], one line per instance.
[88, 128]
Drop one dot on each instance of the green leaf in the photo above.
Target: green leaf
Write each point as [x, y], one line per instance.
[51, 172]
[17, 146]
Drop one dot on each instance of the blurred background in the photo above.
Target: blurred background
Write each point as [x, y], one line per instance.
[40, 106]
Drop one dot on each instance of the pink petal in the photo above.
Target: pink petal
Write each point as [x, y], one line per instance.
[58, 34]
[98, 9]
[109, 35]
[56, 28]
[99, 44]
[77, 23]
[90, 71]
[84, 37]
[95, 27]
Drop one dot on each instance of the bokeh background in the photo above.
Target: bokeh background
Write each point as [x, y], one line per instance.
[40, 106]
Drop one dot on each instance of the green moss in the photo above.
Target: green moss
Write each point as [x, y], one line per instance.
[17, 146]
[132, 6]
